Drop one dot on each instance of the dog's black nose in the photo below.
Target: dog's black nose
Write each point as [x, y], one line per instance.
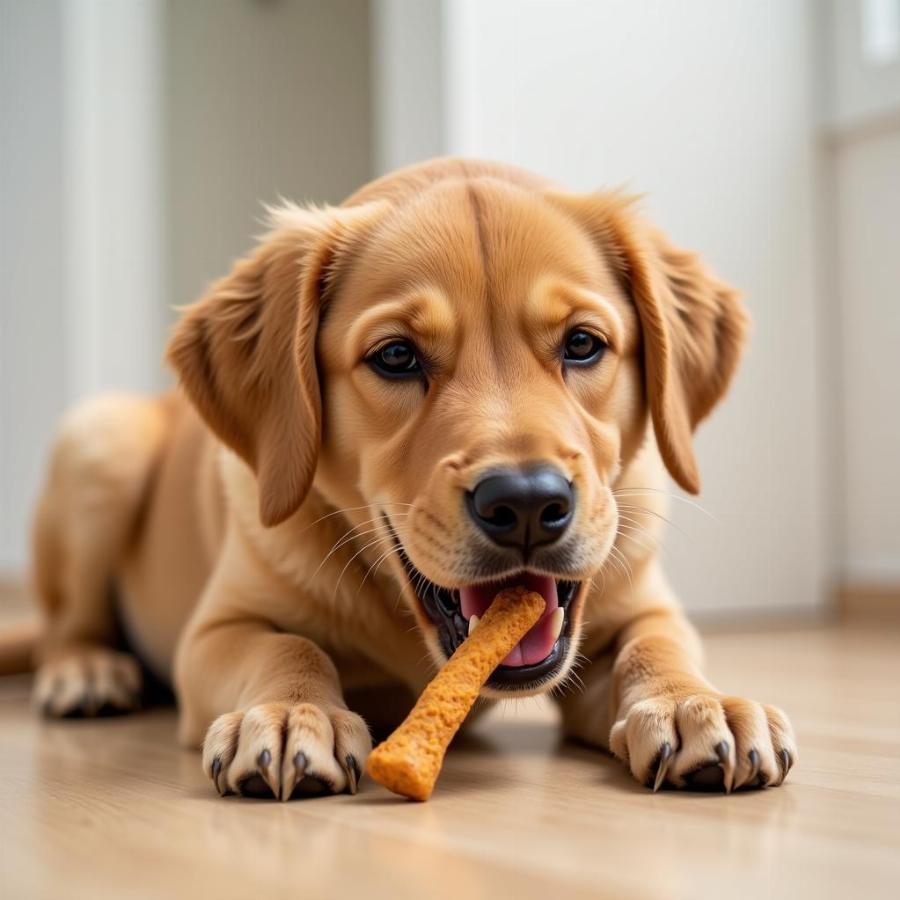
[523, 508]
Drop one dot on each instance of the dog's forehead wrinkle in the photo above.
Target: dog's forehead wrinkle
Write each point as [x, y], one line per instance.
[475, 204]
[484, 195]
[434, 237]
[423, 308]
[526, 250]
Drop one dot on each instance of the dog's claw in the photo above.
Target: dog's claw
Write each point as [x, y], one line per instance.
[300, 762]
[216, 769]
[353, 773]
[309, 783]
[263, 761]
[727, 771]
[752, 778]
[786, 762]
[665, 758]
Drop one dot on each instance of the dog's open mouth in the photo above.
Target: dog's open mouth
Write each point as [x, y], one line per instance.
[456, 613]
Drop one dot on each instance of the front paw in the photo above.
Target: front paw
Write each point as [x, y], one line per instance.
[87, 681]
[705, 742]
[284, 750]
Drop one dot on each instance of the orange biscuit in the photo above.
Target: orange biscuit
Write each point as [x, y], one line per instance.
[409, 761]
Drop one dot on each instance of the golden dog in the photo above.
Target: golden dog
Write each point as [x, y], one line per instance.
[461, 378]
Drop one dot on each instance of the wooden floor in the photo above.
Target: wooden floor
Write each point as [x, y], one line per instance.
[114, 809]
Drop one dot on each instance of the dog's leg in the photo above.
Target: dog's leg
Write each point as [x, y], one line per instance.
[99, 469]
[279, 724]
[648, 702]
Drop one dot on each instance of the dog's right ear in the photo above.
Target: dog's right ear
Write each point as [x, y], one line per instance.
[246, 353]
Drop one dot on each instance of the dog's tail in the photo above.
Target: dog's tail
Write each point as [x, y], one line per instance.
[17, 644]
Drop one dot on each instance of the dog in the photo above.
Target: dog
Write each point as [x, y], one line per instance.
[462, 378]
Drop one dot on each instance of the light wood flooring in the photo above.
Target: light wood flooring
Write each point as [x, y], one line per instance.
[114, 809]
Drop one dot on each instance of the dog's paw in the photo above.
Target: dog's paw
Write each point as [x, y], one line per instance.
[283, 750]
[88, 681]
[705, 742]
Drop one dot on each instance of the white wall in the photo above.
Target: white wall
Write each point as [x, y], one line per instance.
[407, 81]
[264, 100]
[81, 208]
[709, 108]
[861, 113]
[112, 205]
[868, 204]
[860, 89]
[139, 139]
[33, 348]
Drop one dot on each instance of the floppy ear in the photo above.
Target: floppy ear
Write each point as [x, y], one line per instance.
[694, 326]
[246, 353]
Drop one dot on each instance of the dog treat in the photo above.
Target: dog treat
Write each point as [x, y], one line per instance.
[409, 761]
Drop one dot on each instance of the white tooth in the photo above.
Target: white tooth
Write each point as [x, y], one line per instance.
[473, 623]
[556, 623]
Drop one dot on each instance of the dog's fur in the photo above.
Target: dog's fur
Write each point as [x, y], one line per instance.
[248, 521]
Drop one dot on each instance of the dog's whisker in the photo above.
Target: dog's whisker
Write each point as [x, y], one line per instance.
[572, 676]
[383, 558]
[359, 525]
[355, 533]
[639, 534]
[649, 547]
[623, 558]
[627, 512]
[670, 494]
[642, 510]
[347, 509]
[347, 538]
[341, 542]
[639, 527]
[612, 558]
[373, 569]
[347, 565]
[420, 583]
[621, 564]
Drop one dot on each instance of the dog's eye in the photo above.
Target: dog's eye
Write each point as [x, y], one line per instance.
[396, 359]
[582, 348]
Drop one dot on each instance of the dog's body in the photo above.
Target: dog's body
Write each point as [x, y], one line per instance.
[372, 407]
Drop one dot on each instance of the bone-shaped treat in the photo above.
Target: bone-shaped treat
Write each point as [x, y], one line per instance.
[409, 761]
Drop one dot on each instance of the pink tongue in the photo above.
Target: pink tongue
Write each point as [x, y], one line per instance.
[537, 644]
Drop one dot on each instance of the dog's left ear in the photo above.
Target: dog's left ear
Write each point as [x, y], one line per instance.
[246, 353]
[694, 326]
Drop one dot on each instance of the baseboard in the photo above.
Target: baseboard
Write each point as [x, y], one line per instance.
[11, 580]
[857, 598]
[761, 619]
[13, 595]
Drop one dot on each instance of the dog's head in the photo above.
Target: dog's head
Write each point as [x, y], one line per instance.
[474, 366]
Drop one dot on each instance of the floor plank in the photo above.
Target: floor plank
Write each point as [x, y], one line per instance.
[113, 808]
